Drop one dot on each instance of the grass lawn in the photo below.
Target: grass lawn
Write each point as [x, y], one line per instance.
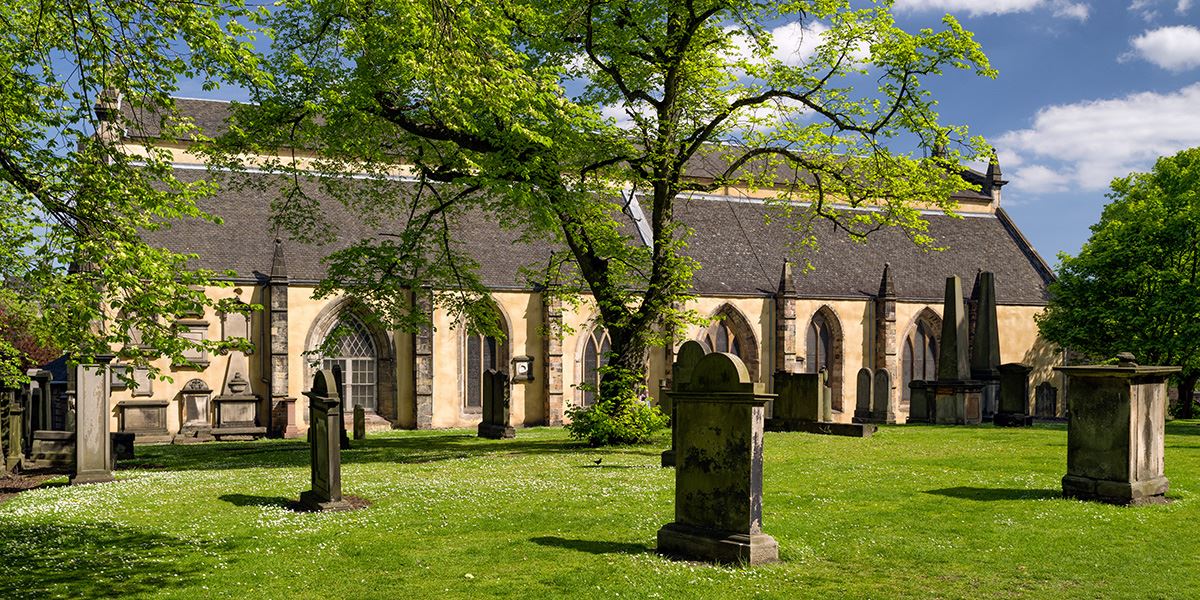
[916, 511]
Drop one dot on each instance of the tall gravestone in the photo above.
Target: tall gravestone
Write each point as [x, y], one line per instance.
[238, 411]
[496, 412]
[1115, 434]
[826, 395]
[360, 422]
[93, 444]
[920, 402]
[1013, 409]
[985, 343]
[956, 397]
[865, 395]
[343, 439]
[1046, 401]
[882, 409]
[686, 359]
[719, 467]
[196, 413]
[325, 451]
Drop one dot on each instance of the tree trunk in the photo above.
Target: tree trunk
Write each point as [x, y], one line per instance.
[626, 369]
[1187, 386]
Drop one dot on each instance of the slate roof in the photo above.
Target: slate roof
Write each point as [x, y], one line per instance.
[739, 252]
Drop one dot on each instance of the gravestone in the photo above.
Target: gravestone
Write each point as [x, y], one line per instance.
[343, 439]
[826, 396]
[956, 397]
[360, 422]
[920, 405]
[865, 394]
[985, 344]
[496, 415]
[93, 451]
[1046, 401]
[719, 467]
[882, 410]
[196, 426]
[686, 359]
[1013, 410]
[15, 438]
[1115, 433]
[325, 451]
[800, 404]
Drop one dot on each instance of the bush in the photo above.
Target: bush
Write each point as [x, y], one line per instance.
[606, 423]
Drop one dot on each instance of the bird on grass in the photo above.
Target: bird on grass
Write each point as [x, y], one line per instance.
[598, 460]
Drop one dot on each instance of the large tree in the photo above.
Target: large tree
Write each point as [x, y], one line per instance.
[549, 114]
[1135, 285]
[74, 74]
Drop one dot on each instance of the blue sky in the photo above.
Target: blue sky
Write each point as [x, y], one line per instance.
[1088, 90]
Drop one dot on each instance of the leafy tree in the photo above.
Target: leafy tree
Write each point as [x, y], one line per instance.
[73, 75]
[1134, 286]
[549, 115]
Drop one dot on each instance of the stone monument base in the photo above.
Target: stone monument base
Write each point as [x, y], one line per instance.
[239, 433]
[312, 501]
[957, 402]
[190, 434]
[496, 432]
[861, 430]
[94, 476]
[1003, 419]
[668, 457]
[1150, 491]
[52, 450]
[686, 541]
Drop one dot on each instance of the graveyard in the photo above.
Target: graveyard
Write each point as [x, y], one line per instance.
[913, 511]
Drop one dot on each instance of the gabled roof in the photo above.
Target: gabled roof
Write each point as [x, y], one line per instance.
[740, 253]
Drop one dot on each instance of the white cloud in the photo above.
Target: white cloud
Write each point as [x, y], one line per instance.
[1086, 144]
[794, 43]
[1175, 48]
[1059, 8]
[1148, 9]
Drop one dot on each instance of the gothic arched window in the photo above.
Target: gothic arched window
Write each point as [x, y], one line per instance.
[596, 347]
[354, 351]
[721, 338]
[824, 349]
[920, 354]
[483, 352]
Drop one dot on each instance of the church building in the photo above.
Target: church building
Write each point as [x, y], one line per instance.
[875, 304]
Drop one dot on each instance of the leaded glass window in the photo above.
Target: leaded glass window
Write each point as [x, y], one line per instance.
[920, 357]
[354, 351]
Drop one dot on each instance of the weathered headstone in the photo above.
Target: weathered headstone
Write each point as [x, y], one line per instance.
[496, 415]
[718, 474]
[93, 452]
[360, 422]
[196, 426]
[985, 343]
[1013, 410]
[1115, 434]
[800, 404]
[882, 410]
[343, 439]
[1046, 401]
[15, 437]
[325, 450]
[238, 411]
[956, 398]
[920, 402]
[686, 359]
[826, 396]
[865, 394]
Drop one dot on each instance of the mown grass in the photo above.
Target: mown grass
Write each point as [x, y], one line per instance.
[920, 512]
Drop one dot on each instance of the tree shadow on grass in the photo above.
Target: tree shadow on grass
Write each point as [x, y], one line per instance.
[405, 450]
[93, 560]
[993, 494]
[591, 546]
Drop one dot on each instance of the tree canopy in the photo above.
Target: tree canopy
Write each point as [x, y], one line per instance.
[1134, 286]
[73, 76]
[550, 115]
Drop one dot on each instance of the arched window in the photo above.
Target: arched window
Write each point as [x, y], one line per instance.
[920, 352]
[723, 339]
[731, 332]
[483, 352]
[596, 346]
[824, 349]
[355, 352]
